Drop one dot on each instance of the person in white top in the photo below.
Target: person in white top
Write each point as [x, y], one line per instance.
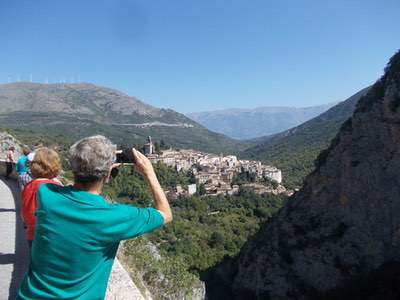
[10, 161]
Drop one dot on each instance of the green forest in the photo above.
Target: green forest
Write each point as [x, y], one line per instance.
[204, 230]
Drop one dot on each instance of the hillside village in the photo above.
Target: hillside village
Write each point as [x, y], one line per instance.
[216, 173]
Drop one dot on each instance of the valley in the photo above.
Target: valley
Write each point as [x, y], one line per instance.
[224, 204]
[208, 150]
[245, 124]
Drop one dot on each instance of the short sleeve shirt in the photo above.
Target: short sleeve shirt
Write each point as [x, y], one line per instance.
[76, 239]
[21, 167]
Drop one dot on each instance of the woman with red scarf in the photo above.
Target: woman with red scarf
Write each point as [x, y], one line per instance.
[44, 168]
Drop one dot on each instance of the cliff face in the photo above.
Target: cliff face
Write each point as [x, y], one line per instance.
[6, 141]
[339, 236]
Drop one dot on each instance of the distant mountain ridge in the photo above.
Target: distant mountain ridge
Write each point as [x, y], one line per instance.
[81, 109]
[295, 150]
[252, 123]
[84, 99]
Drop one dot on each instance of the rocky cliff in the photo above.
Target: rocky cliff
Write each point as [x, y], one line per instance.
[339, 236]
[120, 285]
[6, 141]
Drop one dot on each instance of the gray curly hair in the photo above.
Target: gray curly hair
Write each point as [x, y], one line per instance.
[91, 158]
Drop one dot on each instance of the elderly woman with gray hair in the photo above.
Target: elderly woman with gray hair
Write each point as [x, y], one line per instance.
[77, 232]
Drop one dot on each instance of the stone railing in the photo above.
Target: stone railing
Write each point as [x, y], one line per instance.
[13, 175]
[120, 285]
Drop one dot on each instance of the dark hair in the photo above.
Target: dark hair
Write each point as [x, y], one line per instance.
[26, 151]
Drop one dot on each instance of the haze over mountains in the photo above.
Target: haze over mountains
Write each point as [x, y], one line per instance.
[78, 110]
[257, 122]
[295, 150]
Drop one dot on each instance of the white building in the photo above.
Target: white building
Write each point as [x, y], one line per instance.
[149, 147]
[274, 174]
[192, 189]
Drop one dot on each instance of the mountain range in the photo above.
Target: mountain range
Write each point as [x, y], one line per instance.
[295, 150]
[71, 111]
[77, 110]
[252, 123]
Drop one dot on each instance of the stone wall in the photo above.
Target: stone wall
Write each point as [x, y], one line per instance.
[6, 141]
[13, 175]
[120, 285]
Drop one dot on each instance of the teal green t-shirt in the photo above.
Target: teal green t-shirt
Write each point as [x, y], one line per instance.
[76, 239]
[21, 167]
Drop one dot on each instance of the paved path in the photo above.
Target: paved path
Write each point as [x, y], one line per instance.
[13, 245]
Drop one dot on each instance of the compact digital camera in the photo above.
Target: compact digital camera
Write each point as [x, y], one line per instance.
[124, 156]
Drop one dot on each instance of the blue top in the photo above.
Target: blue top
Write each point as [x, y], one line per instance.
[21, 167]
[76, 239]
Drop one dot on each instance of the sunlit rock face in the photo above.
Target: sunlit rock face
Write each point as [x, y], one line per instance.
[120, 285]
[339, 236]
[6, 141]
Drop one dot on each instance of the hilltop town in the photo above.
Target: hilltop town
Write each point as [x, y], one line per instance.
[216, 173]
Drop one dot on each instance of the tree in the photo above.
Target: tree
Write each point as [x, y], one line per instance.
[157, 147]
[201, 190]
[191, 177]
[163, 145]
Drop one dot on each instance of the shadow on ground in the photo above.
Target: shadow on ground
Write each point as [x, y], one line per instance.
[19, 259]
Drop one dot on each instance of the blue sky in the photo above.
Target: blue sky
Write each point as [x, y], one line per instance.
[203, 55]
